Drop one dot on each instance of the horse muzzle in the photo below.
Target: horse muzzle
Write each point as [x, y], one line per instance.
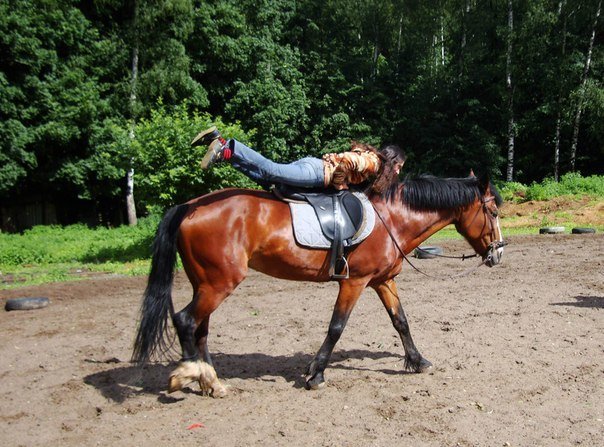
[494, 253]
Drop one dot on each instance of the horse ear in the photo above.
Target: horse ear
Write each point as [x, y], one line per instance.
[471, 173]
[485, 182]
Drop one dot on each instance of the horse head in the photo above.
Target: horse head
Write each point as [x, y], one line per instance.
[479, 224]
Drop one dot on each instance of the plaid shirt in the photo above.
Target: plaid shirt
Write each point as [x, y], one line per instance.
[351, 167]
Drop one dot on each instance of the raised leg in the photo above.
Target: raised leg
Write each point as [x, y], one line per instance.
[347, 298]
[389, 296]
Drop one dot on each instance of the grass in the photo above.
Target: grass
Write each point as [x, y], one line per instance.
[13, 277]
[52, 253]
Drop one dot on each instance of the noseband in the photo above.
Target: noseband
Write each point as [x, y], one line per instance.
[492, 219]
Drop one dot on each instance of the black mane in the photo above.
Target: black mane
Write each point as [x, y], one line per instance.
[426, 192]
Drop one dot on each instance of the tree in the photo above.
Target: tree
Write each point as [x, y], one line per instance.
[168, 170]
[155, 64]
[581, 93]
[563, 17]
[510, 92]
[51, 98]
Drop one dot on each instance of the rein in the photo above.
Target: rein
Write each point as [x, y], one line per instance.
[463, 257]
[436, 255]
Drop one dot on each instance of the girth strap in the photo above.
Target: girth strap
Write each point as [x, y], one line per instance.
[337, 249]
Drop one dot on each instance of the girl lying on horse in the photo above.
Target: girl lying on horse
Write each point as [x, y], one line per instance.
[338, 170]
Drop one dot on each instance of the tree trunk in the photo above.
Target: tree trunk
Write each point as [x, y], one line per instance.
[510, 91]
[398, 44]
[442, 37]
[575, 140]
[465, 11]
[130, 203]
[559, 101]
[374, 60]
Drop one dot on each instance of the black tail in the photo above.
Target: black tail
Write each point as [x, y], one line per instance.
[157, 300]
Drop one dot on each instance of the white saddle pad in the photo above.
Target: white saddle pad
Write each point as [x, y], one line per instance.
[307, 229]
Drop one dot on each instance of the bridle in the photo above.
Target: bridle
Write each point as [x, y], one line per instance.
[492, 218]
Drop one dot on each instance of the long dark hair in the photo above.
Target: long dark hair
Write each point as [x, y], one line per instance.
[390, 155]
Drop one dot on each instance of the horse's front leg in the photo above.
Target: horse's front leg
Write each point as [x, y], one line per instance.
[347, 298]
[389, 296]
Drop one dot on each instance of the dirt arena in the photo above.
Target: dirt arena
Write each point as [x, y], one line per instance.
[518, 354]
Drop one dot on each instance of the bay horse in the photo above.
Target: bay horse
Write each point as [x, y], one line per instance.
[221, 235]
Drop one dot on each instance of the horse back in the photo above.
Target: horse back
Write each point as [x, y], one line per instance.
[232, 219]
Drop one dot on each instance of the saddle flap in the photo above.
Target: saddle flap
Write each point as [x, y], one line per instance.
[354, 208]
[340, 214]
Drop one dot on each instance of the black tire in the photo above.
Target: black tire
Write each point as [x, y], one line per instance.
[583, 230]
[551, 230]
[428, 252]
[26, 303]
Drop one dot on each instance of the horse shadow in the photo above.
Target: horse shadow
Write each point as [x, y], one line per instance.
[596, 302]
[124, 382]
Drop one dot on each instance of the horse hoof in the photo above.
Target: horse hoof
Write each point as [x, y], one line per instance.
[315, 382]
[315, 386]
[175, 384]
[185, 373]
[219, 392]
[424, 366]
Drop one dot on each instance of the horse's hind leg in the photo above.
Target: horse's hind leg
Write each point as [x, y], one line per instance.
[190, 366]
[192, 327]
[185, 328]
[347, 298]
[389, 297]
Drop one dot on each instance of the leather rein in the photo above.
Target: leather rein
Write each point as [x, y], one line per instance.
[494, 245]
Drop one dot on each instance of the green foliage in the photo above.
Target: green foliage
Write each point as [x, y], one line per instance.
[50, 94]
[512, 191]
[300, 78]
[167, 169]
[571, 184]
[43, 245]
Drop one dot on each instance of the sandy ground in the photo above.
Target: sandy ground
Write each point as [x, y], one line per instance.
[518, 354]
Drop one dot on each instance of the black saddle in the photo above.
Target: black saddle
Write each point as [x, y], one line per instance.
[341, 217]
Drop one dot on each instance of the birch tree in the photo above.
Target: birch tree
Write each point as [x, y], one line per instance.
[510, 92]
[563, 17]
[581, 99]
[130, 203]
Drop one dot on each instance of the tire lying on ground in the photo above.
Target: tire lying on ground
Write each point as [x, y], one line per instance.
[428, 252]
[583, 230]
[551, 230]
[26, 303]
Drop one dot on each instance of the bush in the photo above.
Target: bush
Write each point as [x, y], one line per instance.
[513, 191]
[44, 245]
[167, 168]
[570, 184]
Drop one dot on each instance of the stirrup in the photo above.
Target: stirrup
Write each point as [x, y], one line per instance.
[344, 274]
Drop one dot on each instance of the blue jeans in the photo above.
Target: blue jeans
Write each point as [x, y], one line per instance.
[305, 173]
